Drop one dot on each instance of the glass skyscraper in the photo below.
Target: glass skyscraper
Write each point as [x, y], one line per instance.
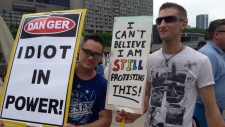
[202, 21]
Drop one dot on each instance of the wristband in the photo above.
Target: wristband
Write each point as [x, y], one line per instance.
[76, 126]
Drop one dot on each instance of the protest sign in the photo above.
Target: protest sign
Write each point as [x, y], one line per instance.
[40, 74]
[128, 63]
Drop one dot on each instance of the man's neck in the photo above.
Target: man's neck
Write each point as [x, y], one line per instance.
[215, 42]
[171, 47]
[84, 74]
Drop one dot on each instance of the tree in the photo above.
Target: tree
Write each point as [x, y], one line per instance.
[13, 31]
[106, 37]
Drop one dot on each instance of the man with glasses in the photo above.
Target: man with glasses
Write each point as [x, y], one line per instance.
[214, 50]
[87, 105]
[175, 75]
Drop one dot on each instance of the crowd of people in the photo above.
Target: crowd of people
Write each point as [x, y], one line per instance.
[196, 79]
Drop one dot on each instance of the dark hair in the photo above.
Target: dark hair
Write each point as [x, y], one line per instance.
[215, 26]
[94, 37]
[182, 13]
[201, 44]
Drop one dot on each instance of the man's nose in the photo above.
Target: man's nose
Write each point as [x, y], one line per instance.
[163, 23]
[90, 56]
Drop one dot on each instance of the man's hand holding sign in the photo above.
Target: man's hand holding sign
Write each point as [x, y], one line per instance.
[1, 123]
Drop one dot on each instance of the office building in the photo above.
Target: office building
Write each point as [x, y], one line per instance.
[156, 38]
[100, 13]
[202, 21]
[192, 37]
[64, 3]
[12, 10]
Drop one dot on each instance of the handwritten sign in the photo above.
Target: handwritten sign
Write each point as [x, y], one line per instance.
[39, 82]
[128, 62]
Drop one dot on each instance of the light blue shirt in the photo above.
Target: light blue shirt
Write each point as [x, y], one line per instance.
[217, 59]
[100, 69]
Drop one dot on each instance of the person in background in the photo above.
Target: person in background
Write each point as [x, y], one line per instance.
[104, 60]
[106, 71]
[3, 74]
[87, 105]
[176, 73]
[200, 45]
[100, 68]
[214, 51]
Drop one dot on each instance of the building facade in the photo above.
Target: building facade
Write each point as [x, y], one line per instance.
[100, 13]
[12, 10]
[202, 21]
[192, 37]
[64, 3]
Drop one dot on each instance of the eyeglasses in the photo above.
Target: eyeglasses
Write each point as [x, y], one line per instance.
[221, 31]
[168, 19]
[89, 53]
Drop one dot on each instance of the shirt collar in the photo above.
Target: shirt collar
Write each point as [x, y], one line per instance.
[215, 47]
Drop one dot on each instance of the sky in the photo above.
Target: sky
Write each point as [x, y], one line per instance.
[214, 8]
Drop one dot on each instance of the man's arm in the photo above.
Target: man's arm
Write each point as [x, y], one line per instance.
[212, 113]
[131, 117]
[104, 121]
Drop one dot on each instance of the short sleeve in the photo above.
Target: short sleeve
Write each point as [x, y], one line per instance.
[205, 76]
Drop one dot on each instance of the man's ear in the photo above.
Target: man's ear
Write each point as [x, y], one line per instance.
[216, 35]
[184, 24]
[79, 48]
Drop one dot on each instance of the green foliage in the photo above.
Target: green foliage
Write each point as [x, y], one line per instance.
[13, 31]
[197, 30]
[84, 35]
[106, 37]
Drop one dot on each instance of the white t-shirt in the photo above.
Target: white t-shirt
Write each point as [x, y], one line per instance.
[174, 87]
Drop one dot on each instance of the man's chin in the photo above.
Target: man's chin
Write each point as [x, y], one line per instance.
[164, 38]
[89, 67]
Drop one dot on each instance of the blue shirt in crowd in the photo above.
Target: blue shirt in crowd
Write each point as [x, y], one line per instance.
[217, 59]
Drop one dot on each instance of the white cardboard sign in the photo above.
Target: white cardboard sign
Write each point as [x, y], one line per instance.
[128, 62]
[39, 77]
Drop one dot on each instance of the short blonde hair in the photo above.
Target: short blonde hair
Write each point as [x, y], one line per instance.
[182, 13]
